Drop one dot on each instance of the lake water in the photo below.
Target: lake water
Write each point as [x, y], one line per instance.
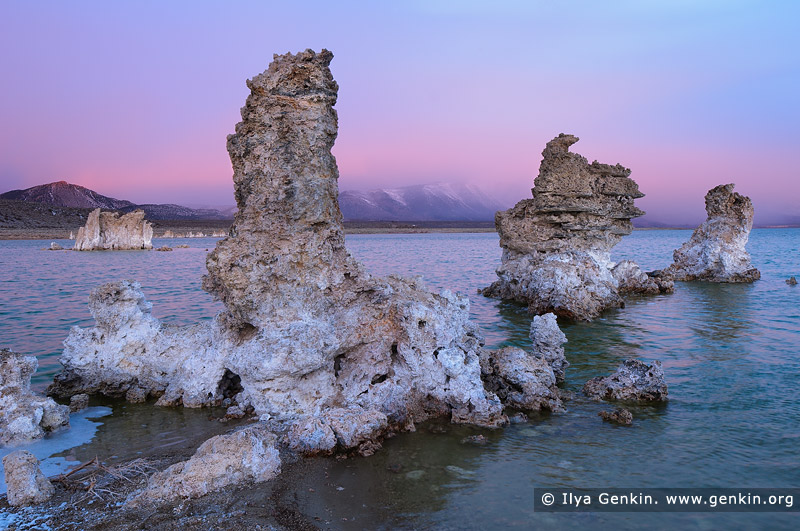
[730, 354]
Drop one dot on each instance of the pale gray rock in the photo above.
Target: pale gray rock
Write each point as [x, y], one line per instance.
[110, 231]
[548, 343]
[26, 485]
[355, 425]
[24, 415]
[78, 402]
[556, 246]
[634, 380]
[632, 280]
[716, 251]
[247, 455]
[55, 247]
[305, 329]
[311, 435]
[520, 379]
[351, 428]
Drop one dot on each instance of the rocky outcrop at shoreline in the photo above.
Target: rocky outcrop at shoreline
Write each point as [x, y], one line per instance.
[306, 332]
[716, 251]
[556, 246]
[24, 479]
[110, 231]
[245, 455]
[24, 415]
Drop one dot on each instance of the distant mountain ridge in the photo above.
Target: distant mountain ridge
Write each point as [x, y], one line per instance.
[64, 194]
[425, 202]
[428, 202]
[441, 202]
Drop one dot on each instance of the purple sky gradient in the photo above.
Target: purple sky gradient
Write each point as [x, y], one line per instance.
[134, 100]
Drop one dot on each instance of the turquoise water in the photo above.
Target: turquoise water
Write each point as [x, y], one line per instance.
[730, 354]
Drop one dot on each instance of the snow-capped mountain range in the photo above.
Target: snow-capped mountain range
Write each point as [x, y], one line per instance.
[425, 202]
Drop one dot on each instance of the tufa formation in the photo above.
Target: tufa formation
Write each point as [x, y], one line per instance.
[716, 251]
[24, 415]
[110, 231]
[556, 246]
[24, 479]
[307, 337]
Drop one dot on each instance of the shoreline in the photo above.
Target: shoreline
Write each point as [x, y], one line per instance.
[47, 234]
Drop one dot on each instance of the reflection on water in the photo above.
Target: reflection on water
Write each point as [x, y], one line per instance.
[730, 354]
[722, 325]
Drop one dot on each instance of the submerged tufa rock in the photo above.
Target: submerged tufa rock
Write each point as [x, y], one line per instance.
[24, 415]
[24, 479]
[716, 251]
[305, 330]
[619, 416]
[556, 246]
[110, 231]
[634, 380]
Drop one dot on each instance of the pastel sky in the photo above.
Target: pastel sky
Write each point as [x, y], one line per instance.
[135, 99]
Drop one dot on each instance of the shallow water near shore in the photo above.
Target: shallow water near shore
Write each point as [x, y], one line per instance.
[730, 354]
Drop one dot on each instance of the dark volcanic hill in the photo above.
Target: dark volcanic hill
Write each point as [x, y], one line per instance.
[428, 202]
[64, 194]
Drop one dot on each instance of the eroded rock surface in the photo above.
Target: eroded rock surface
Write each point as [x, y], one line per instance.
[716, 251]
[78, 402]
[339, 428]
[620, 416]
[24, 415]
[110, 231]
[548, 343]
[634, 380]
[520, 379]
[306, 331]
[24, 480]
[247, 455]
[556, 246]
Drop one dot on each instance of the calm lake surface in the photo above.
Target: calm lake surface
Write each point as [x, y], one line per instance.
[730, 354]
